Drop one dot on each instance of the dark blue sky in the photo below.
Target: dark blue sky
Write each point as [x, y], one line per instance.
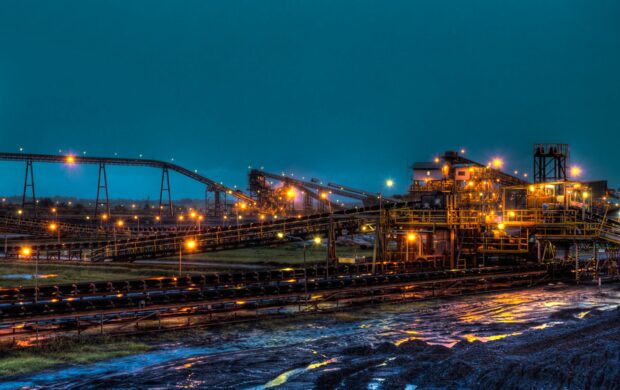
[350, 91]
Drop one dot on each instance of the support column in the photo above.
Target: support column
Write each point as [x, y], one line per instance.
[217, 203]
[307, 201]
[331, 241]
[452, 235]
[102, 183]
[27, 184]
[165, 187]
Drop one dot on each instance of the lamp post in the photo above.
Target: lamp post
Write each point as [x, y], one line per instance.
[55, 228]
[118, 223]
[317, 240]
[389, 183]
[190, 245]
[26, 252]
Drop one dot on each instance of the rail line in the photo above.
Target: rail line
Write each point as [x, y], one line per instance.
[218, 304]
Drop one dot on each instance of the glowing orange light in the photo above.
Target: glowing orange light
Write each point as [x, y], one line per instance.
[497, 163]
[70, 159]
[291, 193]
[26, 251]
[192, 214]
[190, 244]
[411, 237]
[575, 171]
[104, 216]
[120, 222]
[52, 226]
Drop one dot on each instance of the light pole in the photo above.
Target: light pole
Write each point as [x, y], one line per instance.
[190, 245]
[330, 235]
[120, 223]
[317, 240]
[389, 183]
[26, 252]
[55, 228]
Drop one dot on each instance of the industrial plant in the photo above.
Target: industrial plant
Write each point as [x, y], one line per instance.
[462, 227]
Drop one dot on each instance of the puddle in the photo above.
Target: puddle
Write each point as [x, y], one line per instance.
[27, 276]
[295, 353]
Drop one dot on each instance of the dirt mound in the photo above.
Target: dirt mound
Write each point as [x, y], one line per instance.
[579, 355]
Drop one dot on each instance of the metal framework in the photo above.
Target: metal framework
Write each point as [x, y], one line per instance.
[165, 187]
[29, 183]
[102, 183]
[550, 162]
[105, 161]
[273, 197]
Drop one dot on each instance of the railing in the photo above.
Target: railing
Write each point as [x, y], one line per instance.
[228, 237]
[43, 227]
[539, 216]
[504, 244]
[411, 216]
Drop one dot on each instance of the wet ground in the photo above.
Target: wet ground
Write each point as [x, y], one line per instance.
[444, 343]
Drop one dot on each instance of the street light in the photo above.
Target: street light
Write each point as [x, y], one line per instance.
[55, 228]
[389, 183]
[190, 245]
[27, 252]
[316, 240]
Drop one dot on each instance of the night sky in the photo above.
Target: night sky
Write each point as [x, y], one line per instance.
[348, 91]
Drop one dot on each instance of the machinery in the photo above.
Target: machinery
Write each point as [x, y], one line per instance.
[458, 213]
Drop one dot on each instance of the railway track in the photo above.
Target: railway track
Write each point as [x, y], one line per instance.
[23, 323]
[91, 297]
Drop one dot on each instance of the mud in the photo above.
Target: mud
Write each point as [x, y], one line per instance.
[551, 337]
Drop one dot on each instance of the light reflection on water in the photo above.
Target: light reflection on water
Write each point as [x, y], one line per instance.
[270, 354]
